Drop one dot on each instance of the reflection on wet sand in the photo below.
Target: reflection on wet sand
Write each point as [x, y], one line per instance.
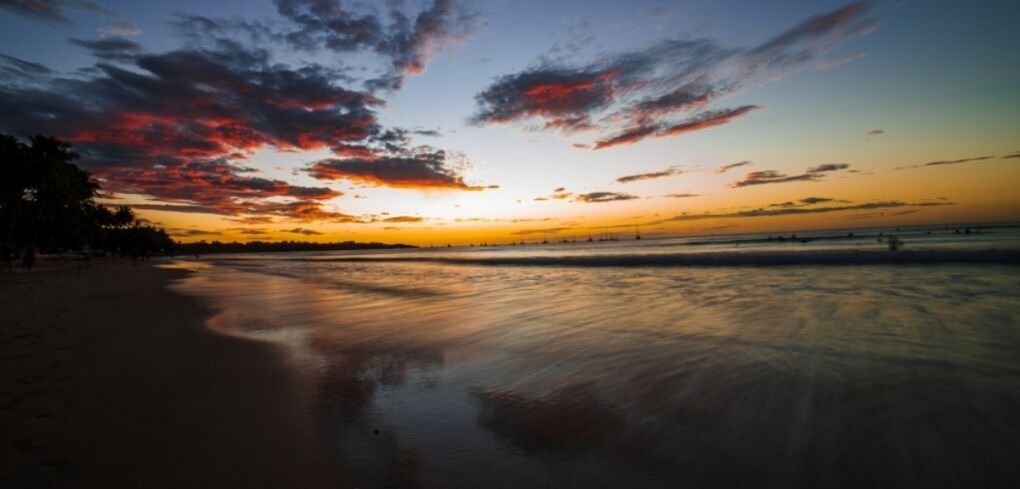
[722, 377]
[567, 420]
[373, 455]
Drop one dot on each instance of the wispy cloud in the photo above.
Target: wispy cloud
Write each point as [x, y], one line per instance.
[633, 95]
[111, 48]
[304, 231]
[598, 197]
[957, 162]
[771, 176]
[527, 232]
[648, 176]
[51, 11]
[408, 40]
[949, 162]
[703, 120]
[893, 204]
[828, 167]
[681, 195]
[813, 173]
[120, 28]
[404, 219]
[560, 193]
[726, 168]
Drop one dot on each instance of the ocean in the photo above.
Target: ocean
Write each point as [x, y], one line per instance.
[821, 360]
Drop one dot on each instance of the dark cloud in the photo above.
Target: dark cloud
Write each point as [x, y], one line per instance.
[193, 232]
[801, 210]
[681, 196]
[813, 173]
[213, 186]
[814, 200]
[726, 168]
[304, 231]
[633, 95]
[807, 201]
[18, 71]
[51, 11]
[526, 232]
[170, 125]
[562, 97]
[186, 105]
[559, 194]
[405, 219]
[111, 48]
[647, 176]
[596, 197]
[193, 209]
[875, 132]
[300, 210]
[406, 40]
[1010, 156]
[950, 162]
[422, 169]
[250, 231]
[771, 176]
[828, 167]
[957, 162]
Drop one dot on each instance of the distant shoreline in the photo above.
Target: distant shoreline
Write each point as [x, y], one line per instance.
[205, 248]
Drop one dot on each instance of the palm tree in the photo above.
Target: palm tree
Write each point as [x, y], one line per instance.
[124, 217]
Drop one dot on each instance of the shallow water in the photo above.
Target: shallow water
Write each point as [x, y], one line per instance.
[459, 374]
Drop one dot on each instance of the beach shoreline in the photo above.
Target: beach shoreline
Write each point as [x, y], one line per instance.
[110, 379]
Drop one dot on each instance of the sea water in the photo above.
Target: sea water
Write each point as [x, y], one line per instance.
[652, 363]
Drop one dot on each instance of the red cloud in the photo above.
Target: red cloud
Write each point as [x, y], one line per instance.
[420, 170]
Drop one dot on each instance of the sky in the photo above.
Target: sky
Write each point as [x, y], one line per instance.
[435, 122]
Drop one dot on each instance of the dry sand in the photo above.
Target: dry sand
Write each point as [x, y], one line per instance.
[108, 379]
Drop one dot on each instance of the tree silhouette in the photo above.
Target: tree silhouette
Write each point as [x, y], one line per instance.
[48, 202]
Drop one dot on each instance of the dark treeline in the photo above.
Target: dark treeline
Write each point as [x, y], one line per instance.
[47, 203]
[203, 247]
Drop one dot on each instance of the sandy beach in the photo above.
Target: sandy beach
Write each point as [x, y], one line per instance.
[108, 379]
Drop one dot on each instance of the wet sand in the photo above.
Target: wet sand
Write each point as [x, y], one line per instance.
[109, 379]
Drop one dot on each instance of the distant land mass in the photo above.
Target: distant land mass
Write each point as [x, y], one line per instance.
[205, 247]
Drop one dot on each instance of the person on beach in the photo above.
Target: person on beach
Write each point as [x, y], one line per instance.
[894, 243]
[6, 259]
[28, 260]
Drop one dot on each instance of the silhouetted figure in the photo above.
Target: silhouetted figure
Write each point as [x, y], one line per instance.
[28, 259]
[6, 259]
[894, 243]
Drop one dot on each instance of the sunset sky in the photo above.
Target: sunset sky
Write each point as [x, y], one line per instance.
[437, 122]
